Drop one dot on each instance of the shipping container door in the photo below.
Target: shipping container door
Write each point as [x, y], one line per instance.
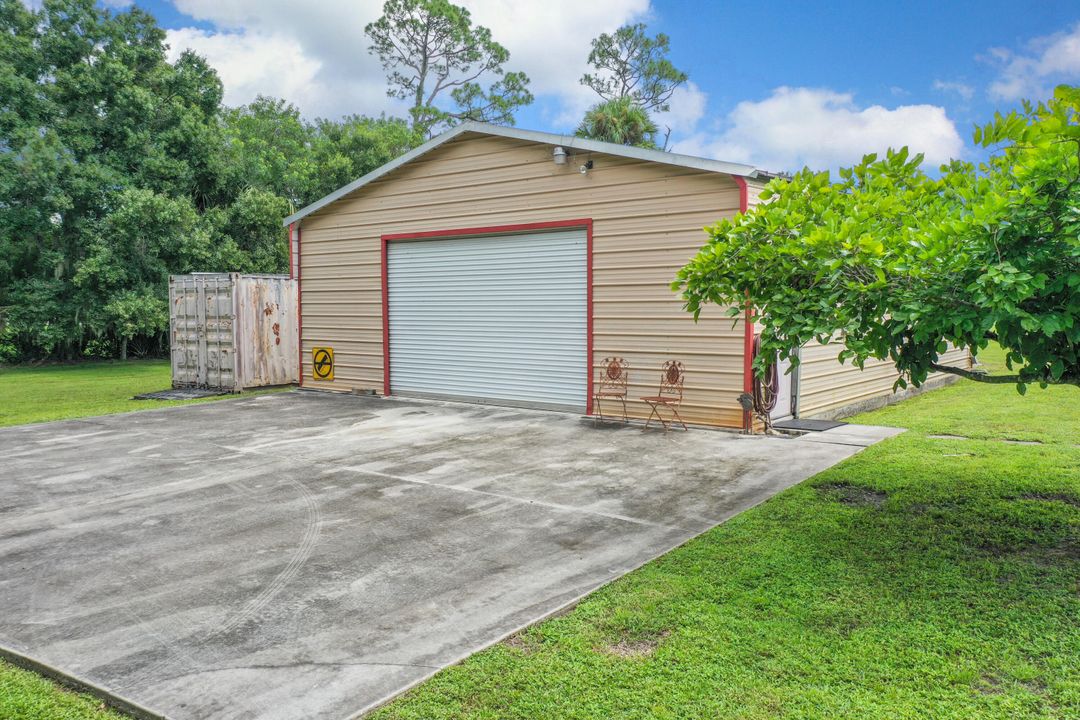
[217, 314]
[201, 318]
[490, 319]
[184, 330]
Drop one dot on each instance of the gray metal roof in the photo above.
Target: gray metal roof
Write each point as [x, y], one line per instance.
[567, 141]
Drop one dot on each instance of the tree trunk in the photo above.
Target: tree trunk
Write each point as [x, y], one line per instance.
[123, 348]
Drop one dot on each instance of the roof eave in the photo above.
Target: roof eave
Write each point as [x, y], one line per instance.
[568, 141]
[376, 173]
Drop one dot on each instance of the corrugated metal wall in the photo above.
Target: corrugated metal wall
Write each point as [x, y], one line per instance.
[827, 385]
[202, 332]
[647, 222]
[232, 331]
[491, 318]
[266, 311]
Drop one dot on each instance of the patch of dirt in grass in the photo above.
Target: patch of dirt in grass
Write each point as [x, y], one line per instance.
[1053, 497]
[993, 685]
[1063, 552]
[940, 507]
[989, 685]
[637, 648]
[854, 494]
[521, 643]
[1048, 556]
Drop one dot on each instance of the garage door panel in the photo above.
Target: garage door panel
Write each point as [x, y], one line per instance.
[494, 319]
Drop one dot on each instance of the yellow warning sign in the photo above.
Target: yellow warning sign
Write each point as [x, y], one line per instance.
[322, 363]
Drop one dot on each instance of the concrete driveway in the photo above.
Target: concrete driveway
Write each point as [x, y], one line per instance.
[307, 555]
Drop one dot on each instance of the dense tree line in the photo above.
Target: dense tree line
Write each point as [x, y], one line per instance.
[118, 168]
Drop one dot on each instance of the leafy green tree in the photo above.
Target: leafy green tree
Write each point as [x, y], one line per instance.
[630, 64]
[267, 146]
[619, 121]
[95, 110]
[270, 147]
[429, 49]
[146, 237]
[118, 168]
[354, 146]
[251, 228]
[899, 263]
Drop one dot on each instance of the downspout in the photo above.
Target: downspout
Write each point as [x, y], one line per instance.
[748, 321]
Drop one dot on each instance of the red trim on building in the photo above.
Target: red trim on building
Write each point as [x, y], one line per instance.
[586, 223]
[748, 321]
[491, 230]
[588, 320]
[299, 303]
[385, 315]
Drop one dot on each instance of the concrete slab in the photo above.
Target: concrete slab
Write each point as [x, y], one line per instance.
[305, 555]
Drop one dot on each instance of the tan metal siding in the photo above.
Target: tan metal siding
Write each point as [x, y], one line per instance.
[753, 192]
[825, 384]
[647, 222]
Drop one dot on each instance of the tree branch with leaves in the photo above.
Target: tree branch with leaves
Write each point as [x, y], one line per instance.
[902, 264]
[619, 121]
[630, 64]
[432, 51]
[634, 78]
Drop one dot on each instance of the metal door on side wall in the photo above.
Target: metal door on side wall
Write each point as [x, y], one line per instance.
[782, 408]
[499, 319]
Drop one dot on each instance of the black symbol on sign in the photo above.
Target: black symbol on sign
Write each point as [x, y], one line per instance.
[322, 363]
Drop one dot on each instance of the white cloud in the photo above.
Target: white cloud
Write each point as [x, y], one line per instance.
[687, 109]
[318, 57]
[244, 60]
[574, 101]
[550, 40]
[1048, 60]
[823, 129]
[251, 62]
[965, 91]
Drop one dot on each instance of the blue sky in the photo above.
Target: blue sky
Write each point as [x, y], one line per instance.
[776, 84]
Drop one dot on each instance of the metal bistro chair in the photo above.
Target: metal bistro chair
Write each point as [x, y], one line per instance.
[669, 396]
[612, 386]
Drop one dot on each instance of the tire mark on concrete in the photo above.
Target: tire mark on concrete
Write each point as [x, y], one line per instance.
[283, 578]
[178, 648]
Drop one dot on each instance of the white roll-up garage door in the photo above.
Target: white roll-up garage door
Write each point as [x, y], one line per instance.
[490, 319]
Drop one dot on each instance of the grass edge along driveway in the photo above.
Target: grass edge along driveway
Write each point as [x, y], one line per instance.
[925, 577]
[64, 392]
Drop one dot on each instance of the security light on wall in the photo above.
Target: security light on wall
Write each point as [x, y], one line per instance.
[584, 169]
[559, 155]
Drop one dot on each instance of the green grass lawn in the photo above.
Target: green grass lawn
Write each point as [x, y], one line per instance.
[923, 578]
[58, 392]
[28, 696]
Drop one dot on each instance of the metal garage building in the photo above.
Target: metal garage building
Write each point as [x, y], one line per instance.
[500, 265]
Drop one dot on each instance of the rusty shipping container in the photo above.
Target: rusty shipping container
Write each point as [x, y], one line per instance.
[232, 331]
